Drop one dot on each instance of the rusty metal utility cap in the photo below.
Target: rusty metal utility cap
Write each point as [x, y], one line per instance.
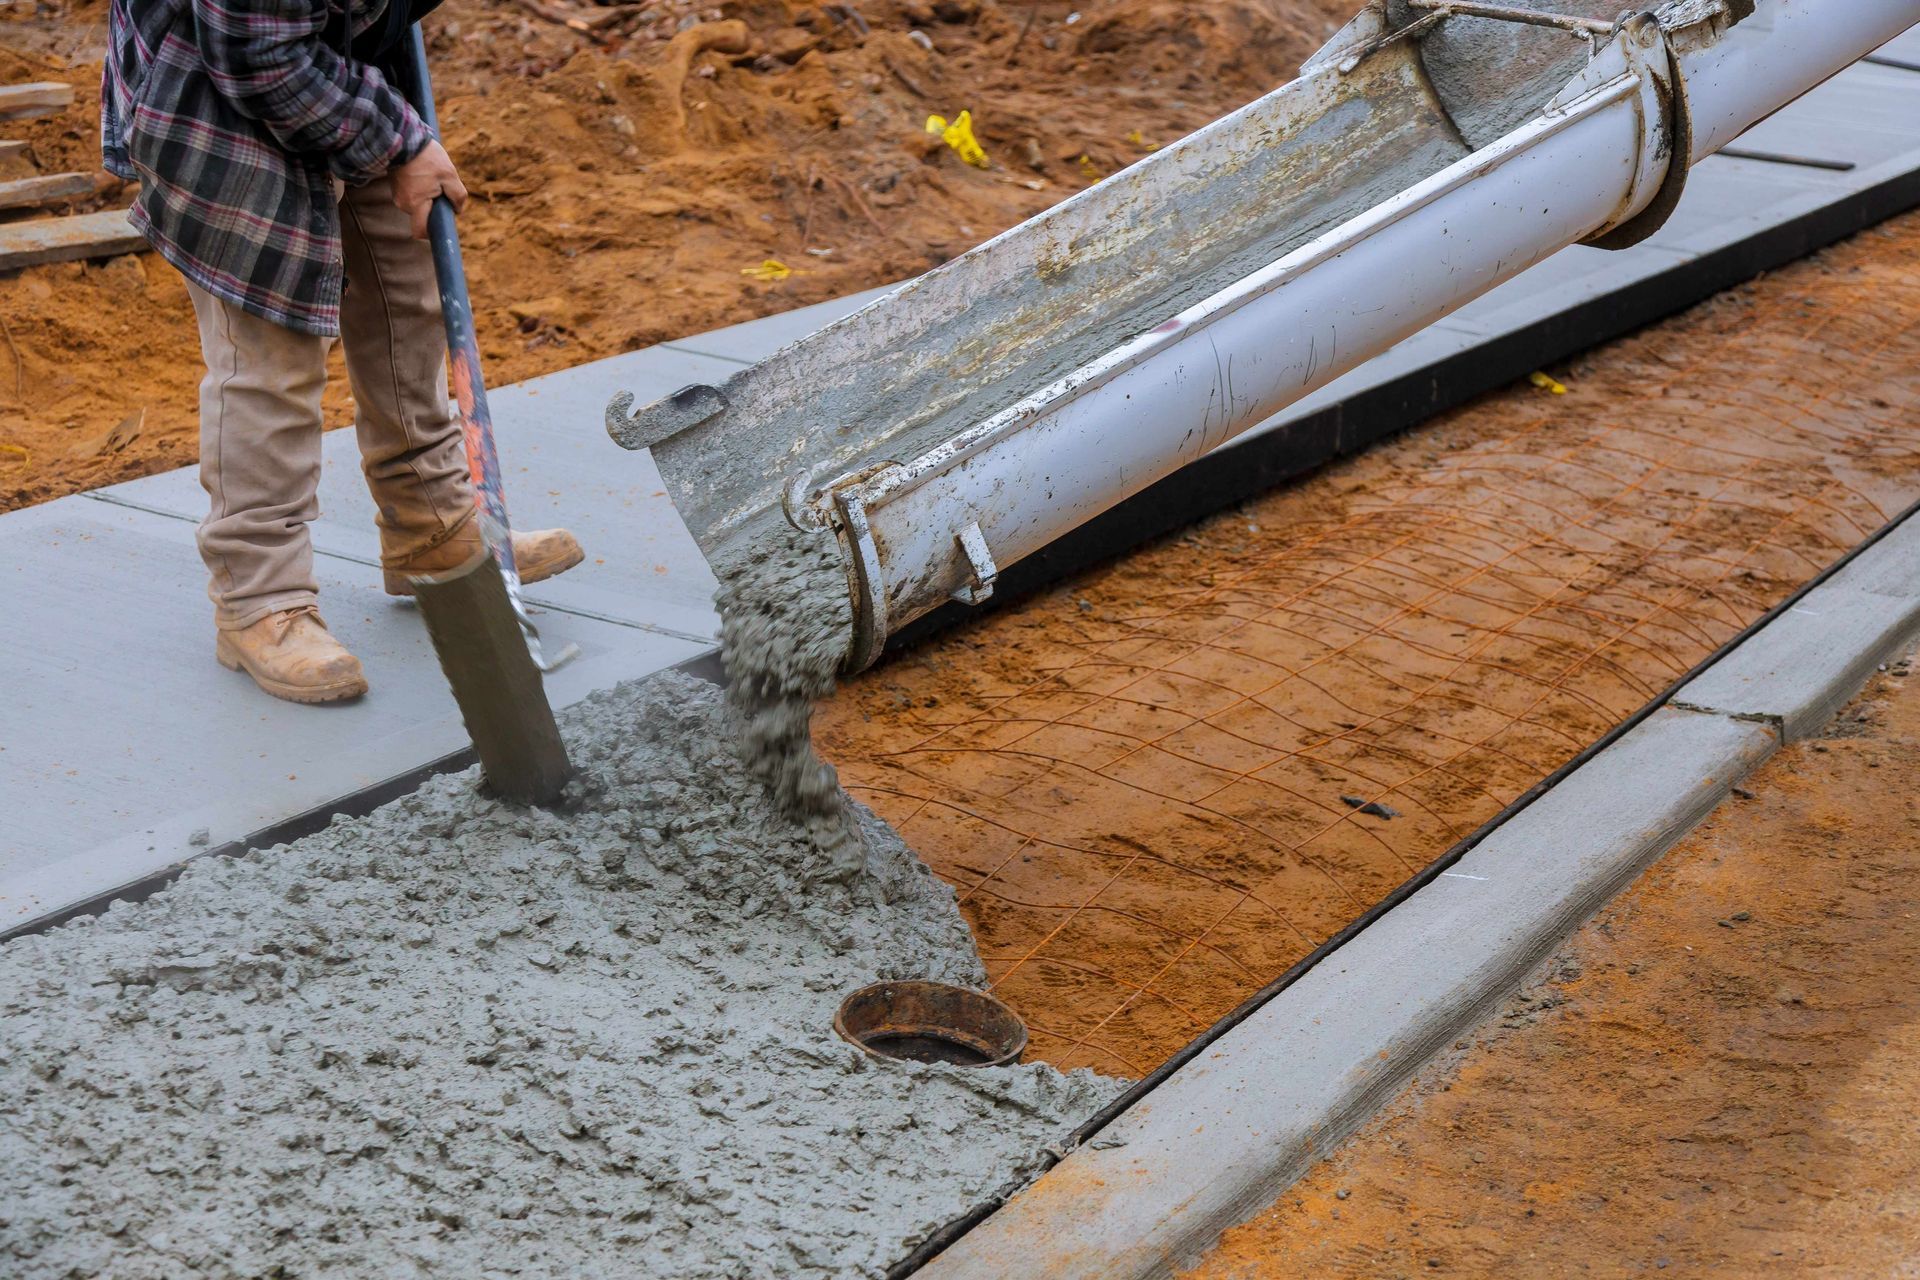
[932, 1022]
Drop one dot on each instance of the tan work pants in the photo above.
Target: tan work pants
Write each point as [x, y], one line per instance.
[260, 419]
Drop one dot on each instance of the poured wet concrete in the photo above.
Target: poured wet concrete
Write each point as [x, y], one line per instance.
[785, 620]
[454, 1038]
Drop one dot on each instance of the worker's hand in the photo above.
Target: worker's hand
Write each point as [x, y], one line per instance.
[419, 180]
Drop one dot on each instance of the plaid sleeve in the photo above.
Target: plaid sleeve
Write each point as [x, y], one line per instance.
[269, 59]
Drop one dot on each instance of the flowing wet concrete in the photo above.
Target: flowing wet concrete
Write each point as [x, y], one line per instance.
[454, 1038]
[784, 623]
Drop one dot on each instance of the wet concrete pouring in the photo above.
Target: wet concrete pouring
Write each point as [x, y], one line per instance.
[455, 1037]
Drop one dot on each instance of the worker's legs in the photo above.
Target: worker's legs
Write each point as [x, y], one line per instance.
[410, 442]
[410, 447]
[260, 465]
[259, 460]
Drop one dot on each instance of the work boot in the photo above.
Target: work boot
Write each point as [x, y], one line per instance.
[537, 554]
[291, 655]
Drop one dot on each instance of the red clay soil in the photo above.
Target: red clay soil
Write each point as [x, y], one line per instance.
[1154, 787]
[628, 181]
[1717, 1077]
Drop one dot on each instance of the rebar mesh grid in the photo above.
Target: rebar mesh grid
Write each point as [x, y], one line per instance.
[1155, 788]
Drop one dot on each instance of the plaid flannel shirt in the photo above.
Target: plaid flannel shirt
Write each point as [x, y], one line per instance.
[236, 117]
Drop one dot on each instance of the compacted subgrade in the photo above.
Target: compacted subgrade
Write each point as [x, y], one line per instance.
[458, 1038]
[1716, 1076]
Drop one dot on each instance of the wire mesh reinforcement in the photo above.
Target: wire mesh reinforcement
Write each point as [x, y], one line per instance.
[1156, 787]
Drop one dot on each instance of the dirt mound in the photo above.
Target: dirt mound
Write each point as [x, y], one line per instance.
[634, 180]
[1239, 40]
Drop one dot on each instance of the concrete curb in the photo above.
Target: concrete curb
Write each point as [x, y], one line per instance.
[1811, 659]
[1225, 1134]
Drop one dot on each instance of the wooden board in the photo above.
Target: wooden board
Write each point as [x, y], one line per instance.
[29, 193]
[87, 235]
[26, 101]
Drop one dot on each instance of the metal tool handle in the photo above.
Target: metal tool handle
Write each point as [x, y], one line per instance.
[463, 355]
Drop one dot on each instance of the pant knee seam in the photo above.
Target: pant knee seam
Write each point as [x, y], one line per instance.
[220, 448]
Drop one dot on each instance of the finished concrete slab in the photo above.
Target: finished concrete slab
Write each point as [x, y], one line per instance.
[756, 340]
[559, 468]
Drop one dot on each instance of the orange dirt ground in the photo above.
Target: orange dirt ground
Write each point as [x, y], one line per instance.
[1141, 782]
[626, 182]
[1717, 1077]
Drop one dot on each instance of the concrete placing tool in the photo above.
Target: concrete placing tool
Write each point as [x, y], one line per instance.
[1433, 150]
[486, 643]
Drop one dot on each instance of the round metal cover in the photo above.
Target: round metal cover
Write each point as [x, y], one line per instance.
[932, 1022]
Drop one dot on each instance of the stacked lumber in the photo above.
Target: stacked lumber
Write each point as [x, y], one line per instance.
[29, 193]
[30, 101]
[42, 240]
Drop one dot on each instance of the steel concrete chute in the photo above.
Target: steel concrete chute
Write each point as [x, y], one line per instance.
[981, 412]
[954, 346]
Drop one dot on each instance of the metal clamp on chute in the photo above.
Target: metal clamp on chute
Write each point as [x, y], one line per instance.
[809, 505]
[812, 507]
[972, 545]
[1637, 44]
[1666, 133]
[684, 410]
[867, 580]
[843, 505]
